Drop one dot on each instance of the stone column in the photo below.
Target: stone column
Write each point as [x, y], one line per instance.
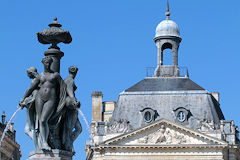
[175, 56]
[56, 55]
[161, 57]
[159, 54]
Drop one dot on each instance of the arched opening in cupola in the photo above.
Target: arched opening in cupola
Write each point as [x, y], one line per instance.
[167, 54]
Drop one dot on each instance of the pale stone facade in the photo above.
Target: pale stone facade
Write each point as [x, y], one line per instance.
[162, 140]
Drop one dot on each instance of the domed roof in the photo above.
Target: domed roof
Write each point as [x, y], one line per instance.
[167, 28]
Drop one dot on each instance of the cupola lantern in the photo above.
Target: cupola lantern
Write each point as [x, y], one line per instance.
[167, 37]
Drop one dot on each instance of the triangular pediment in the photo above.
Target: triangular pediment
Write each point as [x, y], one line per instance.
[160, 133]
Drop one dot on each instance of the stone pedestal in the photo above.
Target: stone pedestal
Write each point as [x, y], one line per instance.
[54, 154]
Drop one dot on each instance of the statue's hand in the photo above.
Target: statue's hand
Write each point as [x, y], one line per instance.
[21, 103]
[76, 104]
[22, 100]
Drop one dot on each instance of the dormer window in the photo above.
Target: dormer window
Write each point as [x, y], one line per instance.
[148, 115]
[181, 116]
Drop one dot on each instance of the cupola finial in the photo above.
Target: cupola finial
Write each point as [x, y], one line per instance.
[167, 12]
[3, 117]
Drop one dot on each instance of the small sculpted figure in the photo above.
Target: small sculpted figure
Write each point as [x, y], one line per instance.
[161, 136]
[47, 100]
[29, 103]
[72, 125]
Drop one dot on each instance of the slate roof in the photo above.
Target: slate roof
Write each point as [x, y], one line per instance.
[182, 92]
[165, 84]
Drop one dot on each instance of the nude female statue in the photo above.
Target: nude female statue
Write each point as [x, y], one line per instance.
[46, 99]
[71, 121]
[29, 103]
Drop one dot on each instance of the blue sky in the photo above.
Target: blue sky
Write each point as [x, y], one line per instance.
[112, 46]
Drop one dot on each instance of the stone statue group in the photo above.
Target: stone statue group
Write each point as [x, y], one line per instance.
[52, 108]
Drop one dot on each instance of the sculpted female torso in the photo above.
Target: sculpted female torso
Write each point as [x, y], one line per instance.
[48, 86]
[46, 102]
[46, 99]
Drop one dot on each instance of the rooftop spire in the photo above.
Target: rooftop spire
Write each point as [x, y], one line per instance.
[167, 12]
[3, 117]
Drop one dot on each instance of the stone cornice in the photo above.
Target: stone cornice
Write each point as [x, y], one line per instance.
[161, 121]
[161, 146]
[165, 92]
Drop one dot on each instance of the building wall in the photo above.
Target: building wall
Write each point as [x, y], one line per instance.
[9, 150]
[160, 154]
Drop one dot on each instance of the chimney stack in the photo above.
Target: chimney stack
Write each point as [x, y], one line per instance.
[96, 108]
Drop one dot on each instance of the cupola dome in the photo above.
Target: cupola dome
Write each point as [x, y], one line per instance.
[167, 28]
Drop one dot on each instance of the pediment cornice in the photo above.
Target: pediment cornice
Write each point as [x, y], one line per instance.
[127, 139]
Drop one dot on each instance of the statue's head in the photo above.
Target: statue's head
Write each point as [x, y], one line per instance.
[73, 70]
[32, 72]
[47, 62]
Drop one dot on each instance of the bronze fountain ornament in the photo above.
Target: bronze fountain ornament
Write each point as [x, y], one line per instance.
[52, 108]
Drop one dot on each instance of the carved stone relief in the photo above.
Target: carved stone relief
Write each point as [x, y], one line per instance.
[121, 126]
[206, 125]
[165, 135]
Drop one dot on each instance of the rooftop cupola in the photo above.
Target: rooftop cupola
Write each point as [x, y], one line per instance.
[167, 37]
